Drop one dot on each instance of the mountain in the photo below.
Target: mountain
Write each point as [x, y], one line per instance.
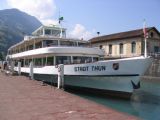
[14, 24]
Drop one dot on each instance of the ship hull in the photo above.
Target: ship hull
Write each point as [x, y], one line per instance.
[102, 75]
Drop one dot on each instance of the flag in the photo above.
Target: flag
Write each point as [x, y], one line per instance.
[144, 29]
[60, 19]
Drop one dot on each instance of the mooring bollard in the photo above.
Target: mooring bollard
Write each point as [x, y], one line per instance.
[31, 71]
[19, 68]
[60, 76]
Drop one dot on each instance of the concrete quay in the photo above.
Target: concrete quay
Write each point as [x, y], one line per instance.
[24, 99]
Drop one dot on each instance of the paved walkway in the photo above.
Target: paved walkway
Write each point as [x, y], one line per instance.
[24, 99]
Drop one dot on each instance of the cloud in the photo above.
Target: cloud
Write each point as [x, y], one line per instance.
[43, 10]
[49, 22]
[80, 32]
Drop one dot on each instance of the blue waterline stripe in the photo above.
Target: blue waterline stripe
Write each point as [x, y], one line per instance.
[125, 75]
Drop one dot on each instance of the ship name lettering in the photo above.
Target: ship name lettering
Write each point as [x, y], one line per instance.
[81, 68]
[98, 68]
[92, 68]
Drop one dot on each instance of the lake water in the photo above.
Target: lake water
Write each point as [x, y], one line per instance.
[144, 103]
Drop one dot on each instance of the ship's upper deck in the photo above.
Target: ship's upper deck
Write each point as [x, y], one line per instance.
[46, 36]
[52, 30]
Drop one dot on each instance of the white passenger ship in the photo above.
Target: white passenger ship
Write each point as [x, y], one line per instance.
[48, 46]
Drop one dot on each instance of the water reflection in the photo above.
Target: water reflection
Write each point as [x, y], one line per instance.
[144, 103]
[147, 105]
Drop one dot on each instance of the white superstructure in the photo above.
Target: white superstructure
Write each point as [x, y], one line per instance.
[82, 67]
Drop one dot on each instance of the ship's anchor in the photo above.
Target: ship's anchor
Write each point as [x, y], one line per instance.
[135, 86]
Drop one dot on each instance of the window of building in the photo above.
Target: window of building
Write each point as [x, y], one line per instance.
[101, 46]
[156, 49]
[110, 49]
[121, 48]
[151, 34]
[133, 47]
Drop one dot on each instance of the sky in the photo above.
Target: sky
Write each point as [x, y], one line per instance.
[84, 18]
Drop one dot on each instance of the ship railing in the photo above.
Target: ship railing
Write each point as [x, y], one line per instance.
[155, 55]
[111, 56]
[27, 37]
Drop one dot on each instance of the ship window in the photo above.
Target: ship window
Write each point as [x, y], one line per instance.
[38, 45]
[22, 62]
[16, 50]
[44, 61]
[81, 44]
[50, 61]
[16, 63]
[121, 48]
[29, 61]
[88, 59]
[133, 47]
[47, 43]
[67, 43]
[26, 62]
[95, 59]
[30, 47]
[71, 43]
[47, 32]
[22, 49]
[76, 59]
[81, 59]
[63, 59]
[38, 62]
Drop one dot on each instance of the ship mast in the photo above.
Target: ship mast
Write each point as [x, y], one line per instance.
[60, 19]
